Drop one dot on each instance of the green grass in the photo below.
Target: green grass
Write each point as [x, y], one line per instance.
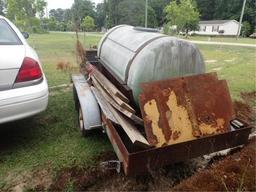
[52, 141]
[59, 47]
[235, 64]
[223, 39]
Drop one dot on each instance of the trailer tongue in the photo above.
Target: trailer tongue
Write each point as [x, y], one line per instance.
[154, 101]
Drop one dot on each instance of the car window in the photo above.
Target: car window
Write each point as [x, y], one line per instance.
[7, 34]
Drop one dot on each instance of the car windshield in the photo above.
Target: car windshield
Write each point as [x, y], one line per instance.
[7, 34]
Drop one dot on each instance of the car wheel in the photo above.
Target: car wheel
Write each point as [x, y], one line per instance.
[81, 122]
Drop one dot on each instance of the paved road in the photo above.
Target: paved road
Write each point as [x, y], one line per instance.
[81, 33]
[224, 43]
[196, 42]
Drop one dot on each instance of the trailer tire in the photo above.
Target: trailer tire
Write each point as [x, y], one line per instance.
[83, 132]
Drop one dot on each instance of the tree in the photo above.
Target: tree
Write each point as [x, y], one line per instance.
[52, 25]
[81, 9]
[206, 9]
[62, 18]
[58, 14]
[246, 29]
[184, 15]
[67, 15]
[40, 7]
[25, 8]
[88, 24]
[100, 15]
[158, 6]
[23, 13]
[2, 7]
[132, 12]
[113, 12]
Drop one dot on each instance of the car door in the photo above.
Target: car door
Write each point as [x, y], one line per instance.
[12, 53]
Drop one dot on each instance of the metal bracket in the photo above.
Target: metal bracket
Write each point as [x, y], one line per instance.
[111, 165]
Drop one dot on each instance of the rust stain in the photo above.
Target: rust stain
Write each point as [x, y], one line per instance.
[209, 129]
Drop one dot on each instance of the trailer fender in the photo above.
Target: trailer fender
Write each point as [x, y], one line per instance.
[85, 100]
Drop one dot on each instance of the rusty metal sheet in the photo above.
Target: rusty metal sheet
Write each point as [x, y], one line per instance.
[212, 107]
[183, 109]
[164, 84]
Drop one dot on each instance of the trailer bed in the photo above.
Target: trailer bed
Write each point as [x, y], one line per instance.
[136, 161]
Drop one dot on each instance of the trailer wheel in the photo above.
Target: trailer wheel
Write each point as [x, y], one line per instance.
[81, 122]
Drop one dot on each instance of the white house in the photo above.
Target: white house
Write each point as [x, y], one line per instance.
[218, 27]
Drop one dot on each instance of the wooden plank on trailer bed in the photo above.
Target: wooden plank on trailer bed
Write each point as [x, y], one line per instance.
[103, 105]
[115, 98]
[109, 86]
[130, 129]
[115, 105]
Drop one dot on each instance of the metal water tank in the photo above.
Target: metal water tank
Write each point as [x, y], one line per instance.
[137, 55]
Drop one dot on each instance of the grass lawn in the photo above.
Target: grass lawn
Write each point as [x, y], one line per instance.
[50, 141]
[59, 47]
[223, 39]
[235, 64]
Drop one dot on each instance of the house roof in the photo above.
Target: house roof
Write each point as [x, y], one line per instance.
[216, 21]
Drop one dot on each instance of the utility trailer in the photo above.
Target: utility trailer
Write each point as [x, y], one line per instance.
[121, 54]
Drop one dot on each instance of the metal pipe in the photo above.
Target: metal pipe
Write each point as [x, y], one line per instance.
[146, 14]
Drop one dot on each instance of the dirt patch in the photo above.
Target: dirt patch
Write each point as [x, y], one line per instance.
[37, 180]
[234, 173]
[245, 109]
[231, 172]
[80, 178]
[99, 179]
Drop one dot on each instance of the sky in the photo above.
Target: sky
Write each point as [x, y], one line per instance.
[64, 4]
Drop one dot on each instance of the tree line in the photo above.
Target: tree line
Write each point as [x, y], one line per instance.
[85, 15]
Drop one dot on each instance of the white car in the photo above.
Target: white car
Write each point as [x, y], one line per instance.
[23, 86]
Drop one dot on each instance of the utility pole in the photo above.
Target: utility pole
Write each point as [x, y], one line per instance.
[146, 14]
[241, 19]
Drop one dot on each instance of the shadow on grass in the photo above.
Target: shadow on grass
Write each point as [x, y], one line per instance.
[15, 134]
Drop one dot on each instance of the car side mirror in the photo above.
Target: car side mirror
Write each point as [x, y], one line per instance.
[25, 35]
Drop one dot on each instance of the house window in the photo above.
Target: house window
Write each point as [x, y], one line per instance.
[215, 28]
[203, 28]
